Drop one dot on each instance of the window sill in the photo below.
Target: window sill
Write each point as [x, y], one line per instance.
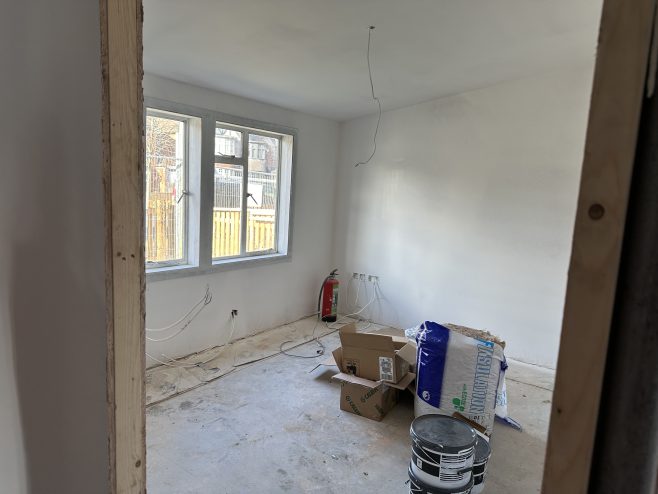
[186, 270]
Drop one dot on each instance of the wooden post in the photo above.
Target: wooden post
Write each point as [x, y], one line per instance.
[626, 459]
[619, 78]
[123, 177]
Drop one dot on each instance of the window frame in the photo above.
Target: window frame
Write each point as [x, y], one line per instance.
[243, 161]
[185, 120]
[200, 186]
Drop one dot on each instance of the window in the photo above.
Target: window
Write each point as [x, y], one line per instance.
[257, 151]
[201, 214]
[228, 143]
[250, 216]
[165, 189]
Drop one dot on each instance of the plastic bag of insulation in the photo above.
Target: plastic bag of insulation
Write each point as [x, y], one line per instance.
[412, 332]
[501, 401]
[458, 374]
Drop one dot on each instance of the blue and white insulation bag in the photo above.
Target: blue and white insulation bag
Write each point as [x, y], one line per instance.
[457, 373]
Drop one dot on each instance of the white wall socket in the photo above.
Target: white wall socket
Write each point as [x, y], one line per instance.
[372, 278]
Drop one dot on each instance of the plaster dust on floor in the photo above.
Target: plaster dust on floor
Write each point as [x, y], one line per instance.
[274, 426]
[165, 381]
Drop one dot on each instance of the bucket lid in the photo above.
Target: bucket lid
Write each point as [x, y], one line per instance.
[428, 489]
[482, 450]
[442, 433]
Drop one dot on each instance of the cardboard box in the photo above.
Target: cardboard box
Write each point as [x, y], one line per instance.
[365, 397]
[408, 353]
[372, 356]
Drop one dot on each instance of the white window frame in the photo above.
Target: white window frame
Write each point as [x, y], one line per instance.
[243, 161]
[201, 190]
[185, 119]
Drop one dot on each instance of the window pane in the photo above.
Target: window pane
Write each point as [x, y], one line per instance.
[227, 211]
[262, 193]
[165, 184]
[228, 143]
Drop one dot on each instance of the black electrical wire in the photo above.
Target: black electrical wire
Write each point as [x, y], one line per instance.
[379, 105]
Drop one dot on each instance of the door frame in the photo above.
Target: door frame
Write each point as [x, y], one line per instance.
[123, 181]
[619, 81]
[614, 118]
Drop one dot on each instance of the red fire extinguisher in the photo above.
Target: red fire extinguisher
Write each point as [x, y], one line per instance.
[328, 298]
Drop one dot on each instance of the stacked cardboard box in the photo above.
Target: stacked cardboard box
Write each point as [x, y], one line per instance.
[373, 368]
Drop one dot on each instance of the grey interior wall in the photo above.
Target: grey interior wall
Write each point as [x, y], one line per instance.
[53, 433]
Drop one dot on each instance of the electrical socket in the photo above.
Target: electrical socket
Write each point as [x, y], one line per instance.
[234, 312]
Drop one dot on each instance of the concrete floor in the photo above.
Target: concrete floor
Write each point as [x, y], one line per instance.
[274, 426]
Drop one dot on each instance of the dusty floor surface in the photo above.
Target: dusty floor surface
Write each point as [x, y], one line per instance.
[274, 426]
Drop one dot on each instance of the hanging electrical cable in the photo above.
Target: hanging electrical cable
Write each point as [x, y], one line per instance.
[379, 105]
[205, 300]
[190, 316]
[182, 328]
[347, 317]
[175, 362]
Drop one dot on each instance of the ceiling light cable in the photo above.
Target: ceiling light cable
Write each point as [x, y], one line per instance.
[379, 105]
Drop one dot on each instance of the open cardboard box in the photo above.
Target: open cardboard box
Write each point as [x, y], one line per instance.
[370, 398]
[372, 356]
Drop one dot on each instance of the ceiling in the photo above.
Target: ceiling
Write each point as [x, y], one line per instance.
[310, 55]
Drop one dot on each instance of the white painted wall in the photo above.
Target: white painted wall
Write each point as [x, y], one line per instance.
[53, 436]
[466, 212]
[270, 295]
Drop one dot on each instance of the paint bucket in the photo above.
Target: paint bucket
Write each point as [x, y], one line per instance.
[482, 455]
[443, 451]
[417, 486]
[432, 473]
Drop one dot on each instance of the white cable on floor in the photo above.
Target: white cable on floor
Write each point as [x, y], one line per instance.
[178, 364]
[319, 352]
[205, 300]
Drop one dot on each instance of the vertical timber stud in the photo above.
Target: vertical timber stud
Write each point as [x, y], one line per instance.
[619, 81]
[626, 452]
[123, 175]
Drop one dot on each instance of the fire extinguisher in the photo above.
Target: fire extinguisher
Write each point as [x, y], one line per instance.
[328, 298]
